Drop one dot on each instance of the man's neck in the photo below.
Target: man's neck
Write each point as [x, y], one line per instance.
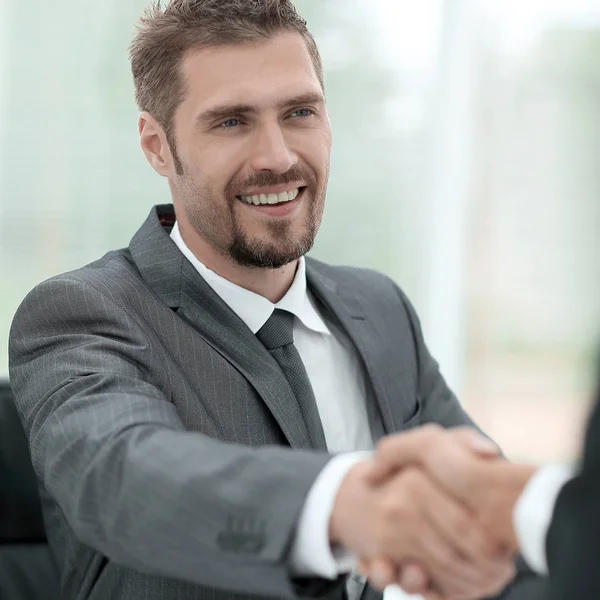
[272, 284]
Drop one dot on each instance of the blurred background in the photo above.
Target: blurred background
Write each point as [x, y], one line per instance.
[465, 166]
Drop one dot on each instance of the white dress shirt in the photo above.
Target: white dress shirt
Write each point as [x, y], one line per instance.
[338, 383]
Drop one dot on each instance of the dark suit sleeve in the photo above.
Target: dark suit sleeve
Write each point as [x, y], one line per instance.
[573, 542]
[132, 483]
[440, 405]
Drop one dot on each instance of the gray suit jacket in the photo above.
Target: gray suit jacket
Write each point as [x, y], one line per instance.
[172, 457]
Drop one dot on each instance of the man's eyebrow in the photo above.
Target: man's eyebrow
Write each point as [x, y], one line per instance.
[222, 112]
[308, 98]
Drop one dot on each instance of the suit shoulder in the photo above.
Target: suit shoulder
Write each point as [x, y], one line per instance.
[96, 278]
[116, 263]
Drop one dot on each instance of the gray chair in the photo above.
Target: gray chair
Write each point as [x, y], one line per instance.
[27, 571]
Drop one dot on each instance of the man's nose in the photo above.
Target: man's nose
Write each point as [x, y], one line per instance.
[271, 151]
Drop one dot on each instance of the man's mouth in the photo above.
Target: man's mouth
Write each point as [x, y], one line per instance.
[272, 199]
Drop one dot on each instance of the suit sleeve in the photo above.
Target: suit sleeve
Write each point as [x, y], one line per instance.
[131, 481]
[440, 405]
[573, 542]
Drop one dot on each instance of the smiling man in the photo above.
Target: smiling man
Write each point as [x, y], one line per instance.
[199, 404]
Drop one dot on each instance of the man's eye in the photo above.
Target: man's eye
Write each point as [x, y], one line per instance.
[230, 123]
[303, 112]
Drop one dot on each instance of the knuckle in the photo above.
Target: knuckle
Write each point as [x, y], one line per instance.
[393, 508]
[412, 479]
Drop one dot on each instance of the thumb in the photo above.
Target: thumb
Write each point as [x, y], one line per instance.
[476, 442]
[394, 452]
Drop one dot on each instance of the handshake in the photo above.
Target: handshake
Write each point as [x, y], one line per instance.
[432, 512]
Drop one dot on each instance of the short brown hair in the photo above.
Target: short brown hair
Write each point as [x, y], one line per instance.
[165, 36]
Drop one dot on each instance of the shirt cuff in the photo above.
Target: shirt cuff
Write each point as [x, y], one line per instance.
[533, 513]
[312, 554]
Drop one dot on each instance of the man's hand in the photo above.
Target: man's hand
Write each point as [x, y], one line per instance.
[459, 461]
[392, 509]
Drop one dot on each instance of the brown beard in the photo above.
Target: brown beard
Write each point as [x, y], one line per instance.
[281, 250]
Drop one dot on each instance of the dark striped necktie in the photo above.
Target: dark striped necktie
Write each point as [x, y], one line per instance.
[277, 335]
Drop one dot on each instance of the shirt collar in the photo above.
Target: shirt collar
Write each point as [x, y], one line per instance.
[252, 308]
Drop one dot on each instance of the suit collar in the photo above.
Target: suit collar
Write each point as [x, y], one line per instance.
[336, 297]
[157, 258]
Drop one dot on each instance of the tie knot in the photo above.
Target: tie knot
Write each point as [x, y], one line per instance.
[278, 331]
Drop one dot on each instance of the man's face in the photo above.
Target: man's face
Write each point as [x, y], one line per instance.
[254, 140]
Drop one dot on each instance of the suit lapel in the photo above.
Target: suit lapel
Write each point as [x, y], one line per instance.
[176, 281]
[352, 316]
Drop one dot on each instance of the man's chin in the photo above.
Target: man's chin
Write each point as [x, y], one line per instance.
[262, 260]
[263, 256]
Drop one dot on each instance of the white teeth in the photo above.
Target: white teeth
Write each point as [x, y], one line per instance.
[271, 198]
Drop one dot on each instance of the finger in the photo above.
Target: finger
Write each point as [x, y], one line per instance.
[413, 579]
[381, 573]
[434, 595]
[457, 577]
[449, 572]
[378, 471]
[475, 441]
[493, 587]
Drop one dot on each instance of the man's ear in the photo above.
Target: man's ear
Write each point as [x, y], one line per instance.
[153, 142]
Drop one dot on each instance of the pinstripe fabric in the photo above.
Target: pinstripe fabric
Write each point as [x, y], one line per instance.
[172, 457]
